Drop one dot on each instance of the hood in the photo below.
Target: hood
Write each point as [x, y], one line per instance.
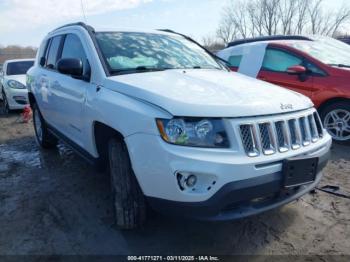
[208, 93]
[19, 78]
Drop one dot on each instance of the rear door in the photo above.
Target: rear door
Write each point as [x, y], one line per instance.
[274, 70]
[46, 78]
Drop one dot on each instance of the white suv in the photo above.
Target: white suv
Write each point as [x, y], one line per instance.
[13, 89]
[176, 130]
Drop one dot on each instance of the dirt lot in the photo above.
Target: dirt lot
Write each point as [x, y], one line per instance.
[52, 202]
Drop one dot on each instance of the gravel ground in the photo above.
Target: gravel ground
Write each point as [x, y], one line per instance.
[52, 202]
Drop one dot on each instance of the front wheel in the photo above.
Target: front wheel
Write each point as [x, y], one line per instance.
[43, 137]
[6, 106]
[129, 201]
[336, 119]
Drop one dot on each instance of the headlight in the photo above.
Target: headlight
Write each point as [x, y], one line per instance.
[15, 84]
[195, 132]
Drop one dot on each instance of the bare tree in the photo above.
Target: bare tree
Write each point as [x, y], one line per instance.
[227, 31]
[341, 17]
[255, 13]
[270, 15]
[212, 43]
[242, 19]
[287, 12]
[301, 16]
[316, 16]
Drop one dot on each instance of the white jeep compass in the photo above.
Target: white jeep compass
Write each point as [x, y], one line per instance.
[177, 131]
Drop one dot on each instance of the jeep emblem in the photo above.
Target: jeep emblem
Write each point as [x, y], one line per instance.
[286, 106]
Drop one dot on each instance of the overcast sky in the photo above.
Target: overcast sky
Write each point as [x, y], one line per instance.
[26, 22]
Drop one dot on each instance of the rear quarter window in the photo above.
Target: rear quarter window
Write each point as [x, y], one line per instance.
[235, 60]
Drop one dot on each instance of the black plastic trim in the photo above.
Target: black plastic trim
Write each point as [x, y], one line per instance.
[79, 150]
[267, 38]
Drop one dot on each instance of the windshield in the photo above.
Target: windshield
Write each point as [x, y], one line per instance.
[328, 50]
[18, 68]
[124, 51]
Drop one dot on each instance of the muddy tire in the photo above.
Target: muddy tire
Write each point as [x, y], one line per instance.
[129, 201]
[336, 119]
[43, 137]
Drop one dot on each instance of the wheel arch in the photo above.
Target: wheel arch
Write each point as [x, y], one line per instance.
[102, 133]
[332, 101]
[31, 98]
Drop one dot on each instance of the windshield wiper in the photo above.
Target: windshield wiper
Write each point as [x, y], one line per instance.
[139, 69]
[200, 67]
[340, 65]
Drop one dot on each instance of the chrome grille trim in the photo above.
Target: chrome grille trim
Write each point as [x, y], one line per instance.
[267, 138]
[295, 134]
[313, 128]
[318, 124]
[305, 133]
[249, 139]
[282, 136]
[279, 136]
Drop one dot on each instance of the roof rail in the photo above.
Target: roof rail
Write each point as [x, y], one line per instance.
[268, 38]
[83, 25]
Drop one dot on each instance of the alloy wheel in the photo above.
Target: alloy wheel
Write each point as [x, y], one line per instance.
[337, 123]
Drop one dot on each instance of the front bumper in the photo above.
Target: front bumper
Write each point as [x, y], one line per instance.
[243, 186]
[241, 198]
[17, 98]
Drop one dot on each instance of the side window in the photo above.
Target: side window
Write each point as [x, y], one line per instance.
[53, 52]
[235, 60]
[43, 51]
[73, 48]
[279, 61]
[314, 69]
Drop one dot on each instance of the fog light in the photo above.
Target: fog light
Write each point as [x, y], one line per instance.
[191, 180]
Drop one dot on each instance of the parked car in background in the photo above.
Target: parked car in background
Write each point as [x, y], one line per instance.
[13, 90]
[175, 128]
[318, 67]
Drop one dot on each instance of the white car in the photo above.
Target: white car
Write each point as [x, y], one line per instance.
[175, 128]
[13, 89]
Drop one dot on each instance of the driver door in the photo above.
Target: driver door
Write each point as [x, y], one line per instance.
[274, 70]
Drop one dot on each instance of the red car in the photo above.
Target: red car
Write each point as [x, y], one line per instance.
[318, 67]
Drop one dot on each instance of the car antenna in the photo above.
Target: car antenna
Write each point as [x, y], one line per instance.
[83, 10]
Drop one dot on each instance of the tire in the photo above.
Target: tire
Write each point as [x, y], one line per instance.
[336, 119]
[43, 137]
[129, 201]
[6, 107]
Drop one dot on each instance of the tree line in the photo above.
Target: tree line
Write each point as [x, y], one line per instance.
[16, 52]
[253, 18]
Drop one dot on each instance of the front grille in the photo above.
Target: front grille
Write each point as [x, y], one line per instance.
[269, 137]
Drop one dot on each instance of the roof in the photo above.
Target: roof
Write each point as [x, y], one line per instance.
[91, 29]
[268, 39]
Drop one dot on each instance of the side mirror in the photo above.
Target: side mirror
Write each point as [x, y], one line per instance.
[70, 66]
[42, 61]
[1, 73]
[296, 70]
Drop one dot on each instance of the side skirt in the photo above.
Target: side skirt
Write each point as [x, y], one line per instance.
[78, 149]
